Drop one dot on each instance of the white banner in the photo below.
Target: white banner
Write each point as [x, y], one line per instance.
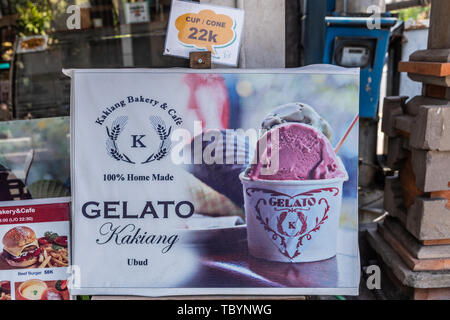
[159, 208]
[137, 12]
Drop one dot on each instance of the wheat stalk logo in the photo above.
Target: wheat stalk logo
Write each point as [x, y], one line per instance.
[163, 133]
[113, 135]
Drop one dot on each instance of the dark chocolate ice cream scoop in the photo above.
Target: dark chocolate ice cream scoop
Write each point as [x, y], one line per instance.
[217, 157]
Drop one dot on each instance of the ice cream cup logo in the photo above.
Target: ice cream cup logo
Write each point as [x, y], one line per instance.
[205, 30]
[288, 229]
[292, 221]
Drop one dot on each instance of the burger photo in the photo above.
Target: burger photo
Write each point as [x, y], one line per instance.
[21, 248]
[5, 290]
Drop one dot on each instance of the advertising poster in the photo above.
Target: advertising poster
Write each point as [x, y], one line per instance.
[136, 12]
[35, 249]
[215, 182]
[200, 27]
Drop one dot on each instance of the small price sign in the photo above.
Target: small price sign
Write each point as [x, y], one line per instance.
[197, 27]
[136, 12]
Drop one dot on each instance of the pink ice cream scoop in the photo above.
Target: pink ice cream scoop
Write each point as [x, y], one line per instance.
[300, 152]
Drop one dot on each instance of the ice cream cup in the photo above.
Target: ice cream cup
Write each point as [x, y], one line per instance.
[292, 220]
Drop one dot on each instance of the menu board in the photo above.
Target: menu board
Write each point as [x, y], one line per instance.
[35, 249]
[215, 181]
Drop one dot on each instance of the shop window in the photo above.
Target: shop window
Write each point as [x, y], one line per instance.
[112, 34]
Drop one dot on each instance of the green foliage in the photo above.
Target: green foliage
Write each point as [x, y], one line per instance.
[414, 13]
[33, 18]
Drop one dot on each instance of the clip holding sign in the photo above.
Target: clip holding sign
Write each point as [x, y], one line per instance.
[200, 60]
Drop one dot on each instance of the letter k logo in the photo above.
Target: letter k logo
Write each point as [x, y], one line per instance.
[137, 143]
